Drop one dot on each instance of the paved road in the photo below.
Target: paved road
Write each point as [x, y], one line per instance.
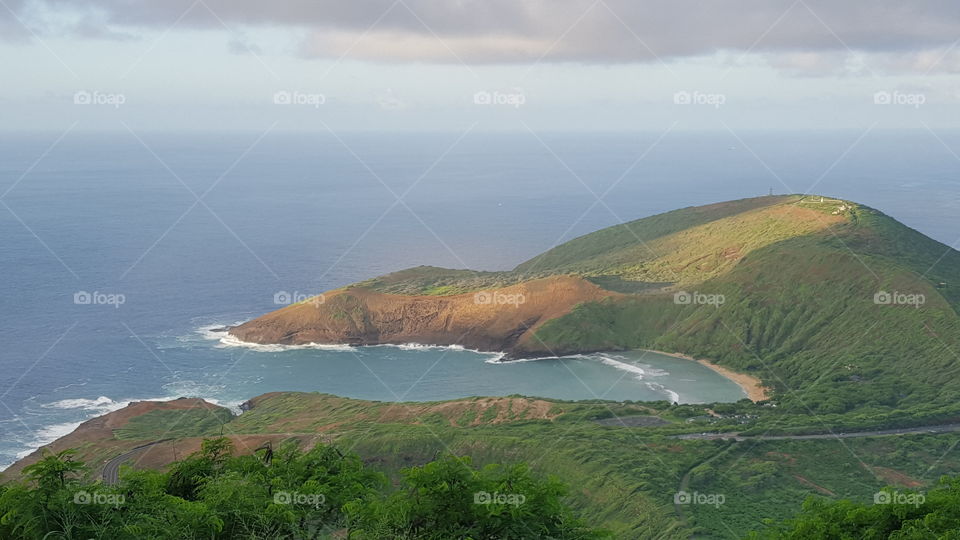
[944, 428]
[111, 471]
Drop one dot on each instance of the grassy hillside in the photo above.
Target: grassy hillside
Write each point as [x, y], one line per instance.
[622, 478]
[801, 311]
[593, 252]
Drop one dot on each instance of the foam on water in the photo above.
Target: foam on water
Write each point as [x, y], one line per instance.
[495, 357]
[641, 373]
[225, 339]
[657, 387]
[620, 364]
[91, 408]
[499, 358]
[102, 404]
[422, 347]
[46, 435]
[219, 332]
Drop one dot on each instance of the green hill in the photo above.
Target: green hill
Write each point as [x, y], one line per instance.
[835, 309]
[835, 305]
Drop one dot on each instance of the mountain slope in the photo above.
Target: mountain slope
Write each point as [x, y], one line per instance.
[833, 304]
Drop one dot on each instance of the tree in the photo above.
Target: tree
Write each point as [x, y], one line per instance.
[448, 498]
[900, 516]
[213, 494]
[50, 472]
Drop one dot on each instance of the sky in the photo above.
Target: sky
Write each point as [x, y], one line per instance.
[571, 65]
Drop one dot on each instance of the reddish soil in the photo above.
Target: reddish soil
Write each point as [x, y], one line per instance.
[493, 320]
[819, 488]
[895, 477]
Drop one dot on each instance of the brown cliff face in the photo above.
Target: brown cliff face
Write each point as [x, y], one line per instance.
[492, 320]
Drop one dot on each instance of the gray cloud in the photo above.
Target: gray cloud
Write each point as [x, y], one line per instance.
[614, 31]
[12, 26]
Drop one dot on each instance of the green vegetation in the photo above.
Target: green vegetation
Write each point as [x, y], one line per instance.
[175, 423]
[622, 479]
[896, 515]
[286, 494]
[431, 280]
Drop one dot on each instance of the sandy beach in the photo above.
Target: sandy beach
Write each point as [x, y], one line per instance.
[751, 385]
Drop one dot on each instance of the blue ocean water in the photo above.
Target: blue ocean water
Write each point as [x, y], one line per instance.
[197, 230]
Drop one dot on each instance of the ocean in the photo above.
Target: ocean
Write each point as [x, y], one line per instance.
[122, 253]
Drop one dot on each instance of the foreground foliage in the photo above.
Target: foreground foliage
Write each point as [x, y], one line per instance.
[895, 515]
[286, 494]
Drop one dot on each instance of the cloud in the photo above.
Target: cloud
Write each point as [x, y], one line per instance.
[524, 31]
[13, 27]
[21, 20]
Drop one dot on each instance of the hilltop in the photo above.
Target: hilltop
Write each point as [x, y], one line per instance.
[807, 292]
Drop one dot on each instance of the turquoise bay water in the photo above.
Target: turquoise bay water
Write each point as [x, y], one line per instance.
[422, 373]
[298, 213]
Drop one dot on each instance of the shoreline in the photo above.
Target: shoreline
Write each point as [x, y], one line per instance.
[751, 385]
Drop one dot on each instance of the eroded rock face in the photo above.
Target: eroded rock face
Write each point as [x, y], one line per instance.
[493, 320]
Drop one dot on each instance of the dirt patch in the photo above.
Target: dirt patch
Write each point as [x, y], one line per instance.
[810, 484]
[895, 477]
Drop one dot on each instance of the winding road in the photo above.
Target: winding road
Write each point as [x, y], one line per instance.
[943, 428]
[111, 471]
